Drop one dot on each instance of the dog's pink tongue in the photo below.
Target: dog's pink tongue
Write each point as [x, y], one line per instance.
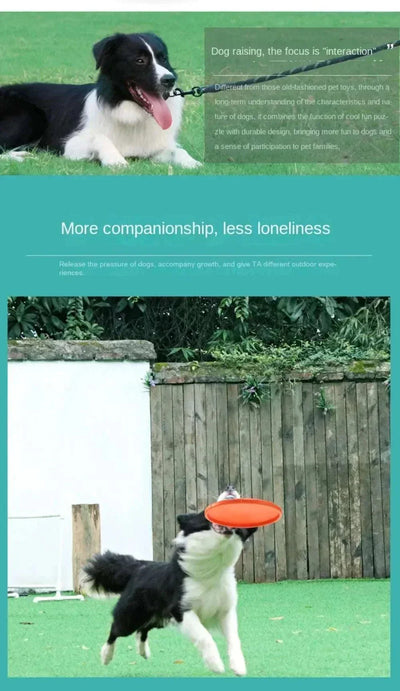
[160, 111]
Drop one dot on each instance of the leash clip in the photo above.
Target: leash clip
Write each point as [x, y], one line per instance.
[195, 91]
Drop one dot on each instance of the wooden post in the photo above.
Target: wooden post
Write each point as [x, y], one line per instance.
[85, 537]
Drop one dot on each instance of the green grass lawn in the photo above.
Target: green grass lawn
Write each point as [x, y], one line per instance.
[57, 47]
[291, 629]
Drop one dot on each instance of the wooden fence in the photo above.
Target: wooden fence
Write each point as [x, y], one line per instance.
[329, 472]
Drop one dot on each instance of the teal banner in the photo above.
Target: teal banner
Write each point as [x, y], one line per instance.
[169, 236]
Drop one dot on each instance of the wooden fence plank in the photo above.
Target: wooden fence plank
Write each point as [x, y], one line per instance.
[365, 483]
[245, 483]
[179, 450]
[201, 445]
[167, 427]
[311, 482]
[332, 481]
[354, 481]
[384, 445]
[375, 477]
[211, 443]
[300, 483]
[322, 487]
[256, 490]
[157, 473]
[189, 420]
[289, 480]
[267, 488]
[224, 476]
[343, 523]
[234, 448]
[278, 480]
[233, 434]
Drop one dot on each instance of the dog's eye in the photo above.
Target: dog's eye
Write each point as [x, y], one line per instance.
[140, 61]
[161, 57]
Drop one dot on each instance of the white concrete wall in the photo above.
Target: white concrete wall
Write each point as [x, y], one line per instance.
[78, 433]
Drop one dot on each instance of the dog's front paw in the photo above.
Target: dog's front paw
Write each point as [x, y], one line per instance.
[213, 660]
[183, 159]
[214, 663]
[114, 161]
[238, 666]
[192, 164]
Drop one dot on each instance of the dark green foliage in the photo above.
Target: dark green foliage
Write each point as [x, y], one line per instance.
[278, 333]
[53, 317]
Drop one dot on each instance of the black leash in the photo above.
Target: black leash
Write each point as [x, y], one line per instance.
[215, 88]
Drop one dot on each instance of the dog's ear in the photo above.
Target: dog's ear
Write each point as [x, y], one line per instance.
[183, 520]
[105, 48]
[193, 522]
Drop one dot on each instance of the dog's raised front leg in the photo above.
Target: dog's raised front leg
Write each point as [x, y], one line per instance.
[229, 626]
[192, 627]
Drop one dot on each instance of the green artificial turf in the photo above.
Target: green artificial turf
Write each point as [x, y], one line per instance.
[57, 47]
[292, 629]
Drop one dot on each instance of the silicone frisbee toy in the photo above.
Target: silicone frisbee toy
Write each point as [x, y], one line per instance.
[243, 513]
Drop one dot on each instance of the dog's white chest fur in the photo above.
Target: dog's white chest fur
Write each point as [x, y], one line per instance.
[132, 131]
[210, 585]
[111, 134]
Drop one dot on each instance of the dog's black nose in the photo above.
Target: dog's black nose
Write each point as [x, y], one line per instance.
[168, 81]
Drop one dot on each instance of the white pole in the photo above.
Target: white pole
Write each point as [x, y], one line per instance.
[60, 555]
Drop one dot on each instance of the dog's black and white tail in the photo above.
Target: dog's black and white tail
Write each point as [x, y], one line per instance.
[108, 573]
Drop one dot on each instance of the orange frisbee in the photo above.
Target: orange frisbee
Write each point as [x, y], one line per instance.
[243, 513]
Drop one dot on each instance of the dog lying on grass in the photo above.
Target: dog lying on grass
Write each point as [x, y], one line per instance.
[129, 112]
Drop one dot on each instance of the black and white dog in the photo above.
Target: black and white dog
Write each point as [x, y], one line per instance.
[196, 589]
[127, 113]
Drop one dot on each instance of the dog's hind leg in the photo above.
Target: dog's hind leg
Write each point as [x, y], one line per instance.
[142, 644]
[107, 651]
[15, 155]
[128, 618]
[21, 122]
[192, 627]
